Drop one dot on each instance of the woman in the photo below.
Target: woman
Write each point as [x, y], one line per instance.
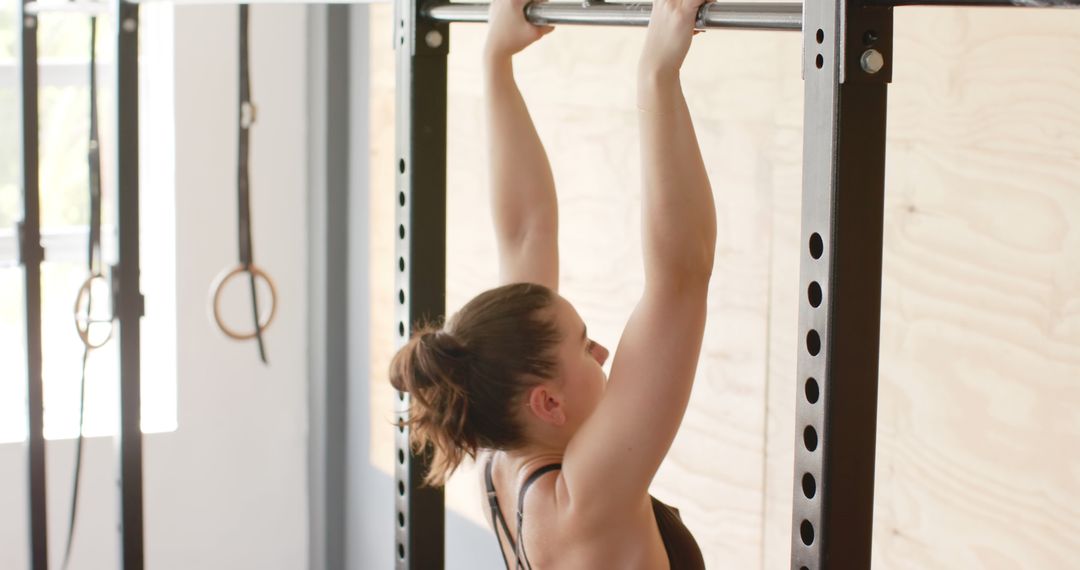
[568, 454]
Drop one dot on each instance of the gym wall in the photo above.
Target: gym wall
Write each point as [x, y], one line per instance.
[977, 463]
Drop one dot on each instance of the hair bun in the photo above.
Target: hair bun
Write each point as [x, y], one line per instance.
[432, 357]
[443, 344]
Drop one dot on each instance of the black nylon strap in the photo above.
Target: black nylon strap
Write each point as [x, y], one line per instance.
[93, 265]
[496, 515]
[246, 119]
[94, 156]
[521, 508]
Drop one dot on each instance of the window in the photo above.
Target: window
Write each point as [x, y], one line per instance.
[63, 130]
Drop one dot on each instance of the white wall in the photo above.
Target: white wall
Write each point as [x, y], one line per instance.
[228, 489]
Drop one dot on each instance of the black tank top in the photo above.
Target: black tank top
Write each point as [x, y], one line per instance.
[682, 550]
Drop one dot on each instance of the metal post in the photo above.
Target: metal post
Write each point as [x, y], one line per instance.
[847, 53]
[731, 15]
[31, 255]
[421, 47]
[128, 300]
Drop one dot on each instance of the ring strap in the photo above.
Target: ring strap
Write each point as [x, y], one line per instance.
[243, 191]
[93, 262]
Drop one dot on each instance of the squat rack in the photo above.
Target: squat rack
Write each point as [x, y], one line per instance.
[847, 65]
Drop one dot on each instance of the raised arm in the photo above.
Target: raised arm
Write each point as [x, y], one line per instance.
[523, 199]
[615, 455]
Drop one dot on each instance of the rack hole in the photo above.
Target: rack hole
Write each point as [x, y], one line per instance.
[401, 198]
[401, 263]
[817, 247]
[806, 530]
[820, 36]
[401, 296]
[401, 423]
[820, 61]
[809, 486]
[813, 294]
[809, 437]
[813, 342]
[401, 166]
[401, 519]
[401, 488]
[401, 231]
[401, 329]
[812, 390]
[401, 551]
[401, 456]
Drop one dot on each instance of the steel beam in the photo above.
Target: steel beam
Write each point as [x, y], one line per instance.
[847, 65]
[420, 165]
[31, 255]
[982, 3]
[128, 299]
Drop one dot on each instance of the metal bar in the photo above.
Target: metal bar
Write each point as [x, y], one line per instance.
[86, 8]
[128, 300]
[748, 16]
[977, 3]
[235, 2]
[422, 47]
[847, 52]
[31, 255]
[339, 151]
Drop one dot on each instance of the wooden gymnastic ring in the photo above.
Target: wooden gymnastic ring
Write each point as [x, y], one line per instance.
[219, 286]
[82, 326]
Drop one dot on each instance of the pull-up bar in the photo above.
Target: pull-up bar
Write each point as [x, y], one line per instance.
[89, 8]
[751, 16]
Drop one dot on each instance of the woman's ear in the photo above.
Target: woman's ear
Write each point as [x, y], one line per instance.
[547, 405]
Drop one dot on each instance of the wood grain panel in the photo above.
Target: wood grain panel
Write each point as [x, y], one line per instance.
[977, 463]
[580, 87]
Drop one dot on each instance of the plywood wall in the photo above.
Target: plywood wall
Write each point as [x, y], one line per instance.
[978, 460]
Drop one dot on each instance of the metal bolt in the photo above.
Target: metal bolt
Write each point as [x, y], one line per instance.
[433, 39]
[130, 25]
[30, 22]
[872, 61]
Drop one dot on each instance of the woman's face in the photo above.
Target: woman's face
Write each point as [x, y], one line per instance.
[581, 363]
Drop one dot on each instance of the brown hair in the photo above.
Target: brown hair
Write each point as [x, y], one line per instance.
[466, 379]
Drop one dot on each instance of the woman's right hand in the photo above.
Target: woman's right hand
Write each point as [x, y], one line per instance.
[509, 32]
[671, 27]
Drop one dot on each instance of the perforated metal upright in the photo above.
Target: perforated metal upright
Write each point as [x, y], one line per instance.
[421, 49]
[847, 53]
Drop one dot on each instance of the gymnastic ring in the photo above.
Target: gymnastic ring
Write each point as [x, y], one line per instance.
[219, 286]
[82, 326]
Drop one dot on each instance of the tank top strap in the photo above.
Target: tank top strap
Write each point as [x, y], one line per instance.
[536, 475]
[497, 518]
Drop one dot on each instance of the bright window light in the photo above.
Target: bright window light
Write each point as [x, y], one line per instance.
[63, 130]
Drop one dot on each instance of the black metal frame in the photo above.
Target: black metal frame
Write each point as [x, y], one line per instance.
[128, 300]
[840, 275]
[421, 48]
[847, 61]
[31, 255]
